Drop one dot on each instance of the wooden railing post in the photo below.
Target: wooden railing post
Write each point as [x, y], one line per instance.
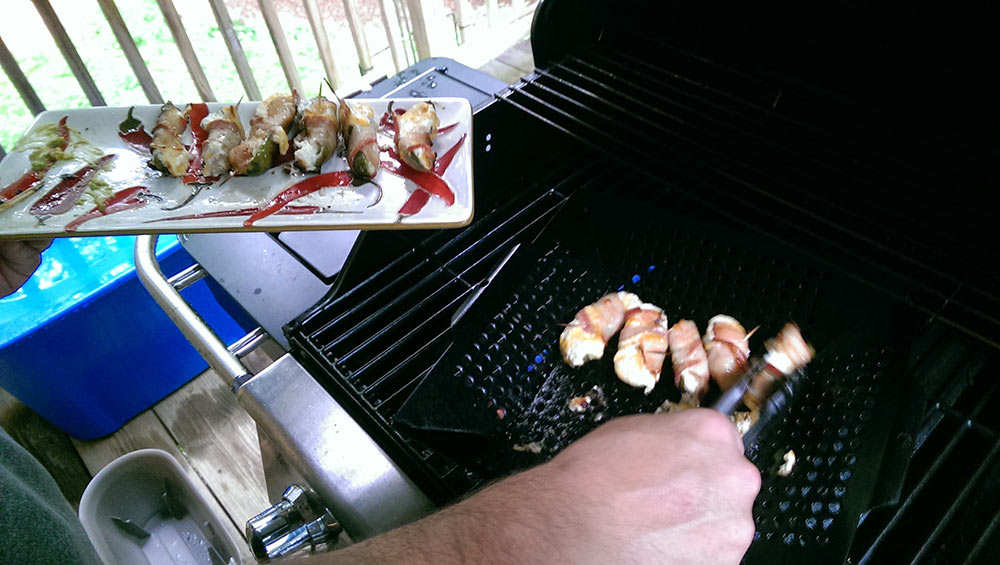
[69, 52]
[235, 48]
[420, 36]
[322, 42]
[358, 33]
[173, 20]
[280, 45]
[393, 40]
[492, 12]
[130, 50]
[20, 81]
[404, 30]
[460, 21]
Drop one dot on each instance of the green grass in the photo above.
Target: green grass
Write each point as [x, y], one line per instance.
[43, 64]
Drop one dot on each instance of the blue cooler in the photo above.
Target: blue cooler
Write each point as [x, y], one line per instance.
[84, 345]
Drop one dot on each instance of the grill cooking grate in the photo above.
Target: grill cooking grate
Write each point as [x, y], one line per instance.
[506, 355]
[701, 146]
[735, 160]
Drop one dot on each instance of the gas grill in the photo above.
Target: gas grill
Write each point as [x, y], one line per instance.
[772, 163]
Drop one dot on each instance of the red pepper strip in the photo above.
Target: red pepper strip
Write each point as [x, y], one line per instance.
[196, 114]
[418, 198]
[427, 181]
[415, 203]
[137, 139]
[28, 181]
[298, 190]
[134, 134]
[289, 210]
[61, 198]
[286, 157]
[447, 128]
[388, 121]
[443, 160]
[125, 199]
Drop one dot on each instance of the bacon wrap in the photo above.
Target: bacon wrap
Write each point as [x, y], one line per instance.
[642, 347]
[273, 117]
[728, 350]
[318, 140]
[415, 132]
[224, 133]
[269, 123]
[786, 353]
[166, 147]
[586, 336]
[360, 129]
[689, 359]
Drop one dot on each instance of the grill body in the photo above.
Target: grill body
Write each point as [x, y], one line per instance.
[773, 163]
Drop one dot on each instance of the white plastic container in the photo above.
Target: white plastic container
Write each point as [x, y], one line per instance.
[150, 490]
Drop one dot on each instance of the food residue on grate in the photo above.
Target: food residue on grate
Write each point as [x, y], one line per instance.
[744, 421]
[593, 401]
[788, 465]
[532, 447]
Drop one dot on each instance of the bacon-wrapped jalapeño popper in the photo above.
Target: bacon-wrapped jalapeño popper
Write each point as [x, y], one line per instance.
[415, 132]
[690, 361]
[642, 347]
[317, 139]
[225, 131]
[360, 129]
[168, 153]
[728, 348]
[585, 337]
[268, 136]
[786, 353]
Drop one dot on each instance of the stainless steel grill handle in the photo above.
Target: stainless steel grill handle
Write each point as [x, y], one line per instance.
[296, 522]
[166, 294]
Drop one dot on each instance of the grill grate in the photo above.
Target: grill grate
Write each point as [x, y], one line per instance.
[794, 195]
[715, 182]
[373, 344]
[508, 359]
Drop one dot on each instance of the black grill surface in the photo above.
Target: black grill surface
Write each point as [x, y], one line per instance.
[505, 357]
[705, 191]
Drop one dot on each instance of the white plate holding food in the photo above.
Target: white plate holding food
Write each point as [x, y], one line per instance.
[99, 173]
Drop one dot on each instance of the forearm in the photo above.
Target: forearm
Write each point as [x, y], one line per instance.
[498, 524]
[639, 489]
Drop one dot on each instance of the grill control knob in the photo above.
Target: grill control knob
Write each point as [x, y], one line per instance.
[296, 522]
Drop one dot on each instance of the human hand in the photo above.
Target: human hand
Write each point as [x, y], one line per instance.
[18, 260]
[670, 488]
[666, 488]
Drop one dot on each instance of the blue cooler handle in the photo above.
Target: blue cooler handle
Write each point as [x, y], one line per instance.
[166, 292]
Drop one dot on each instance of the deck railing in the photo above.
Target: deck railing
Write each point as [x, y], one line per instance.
[413, 30]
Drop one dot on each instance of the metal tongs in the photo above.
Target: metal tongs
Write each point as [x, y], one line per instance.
[768, 409]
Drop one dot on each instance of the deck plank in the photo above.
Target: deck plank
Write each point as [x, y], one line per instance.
[147, 431]
[220, 440]
[502, 71]
[519, 56]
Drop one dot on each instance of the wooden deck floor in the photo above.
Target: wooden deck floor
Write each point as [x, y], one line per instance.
[200, 424]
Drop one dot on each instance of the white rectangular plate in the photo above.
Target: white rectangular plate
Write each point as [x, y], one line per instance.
[340, 208]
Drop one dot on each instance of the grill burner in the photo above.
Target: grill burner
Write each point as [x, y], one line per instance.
[743, 203]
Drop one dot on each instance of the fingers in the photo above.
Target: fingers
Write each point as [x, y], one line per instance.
[38, 245]
[18, 260]
[19, 257]
[712, 427]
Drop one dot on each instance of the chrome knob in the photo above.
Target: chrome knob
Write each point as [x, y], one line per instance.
[298, 521]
